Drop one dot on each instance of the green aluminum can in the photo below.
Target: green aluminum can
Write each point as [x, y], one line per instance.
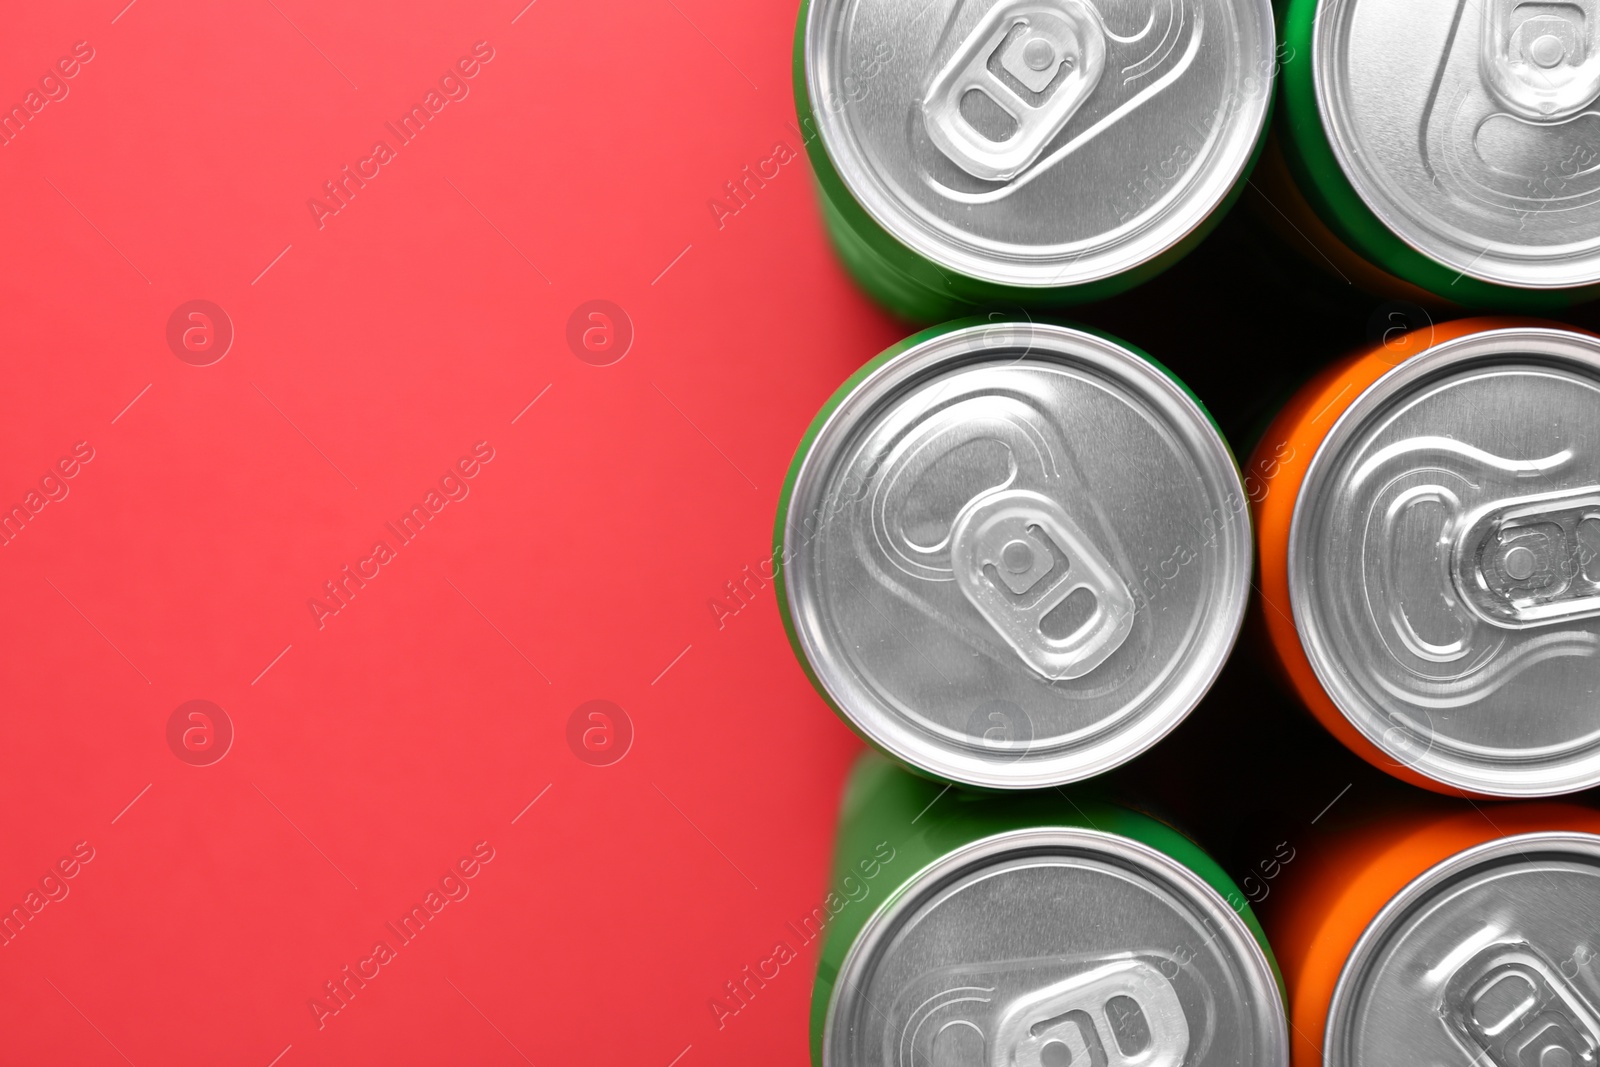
[1032, 930]
[1026, 153]
[1455, 146]
[1013, 554]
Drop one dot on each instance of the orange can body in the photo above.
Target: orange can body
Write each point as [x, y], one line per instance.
[1315, 921]
[1273, 481]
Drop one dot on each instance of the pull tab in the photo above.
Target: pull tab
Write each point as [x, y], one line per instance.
[1416, 503]
[1019, 559]
[942, 464]
[1534, 560]
[1022, 72]
[1541, 60]
[1125, 1014]
[1512, 1003]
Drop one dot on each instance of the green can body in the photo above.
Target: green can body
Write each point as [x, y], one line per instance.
[917, 289]
[1329, 194]
[893, 825]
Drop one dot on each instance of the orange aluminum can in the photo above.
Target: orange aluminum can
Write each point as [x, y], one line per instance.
[1427, 515]
[1443, 937]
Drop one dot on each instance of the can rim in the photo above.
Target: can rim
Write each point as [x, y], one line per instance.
[943, 351]
[1151, 864]
[1531, 344]
[1417, 892]
[1479, 264]
[1002, 263]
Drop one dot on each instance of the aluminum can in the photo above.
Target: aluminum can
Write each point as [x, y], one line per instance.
[1454, 145]
[1027, 152]
[1461, 937]
[1032, 930]
[1428, 515]
[1013, 555]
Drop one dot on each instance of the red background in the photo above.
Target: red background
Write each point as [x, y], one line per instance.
[421, 719]
[373, 752]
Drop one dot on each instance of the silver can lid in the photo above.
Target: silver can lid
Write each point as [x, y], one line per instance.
[1488, 958]
[1444, 562]
[1470, 129]
[1049, 947]
[1039, 143]
[1016, 555]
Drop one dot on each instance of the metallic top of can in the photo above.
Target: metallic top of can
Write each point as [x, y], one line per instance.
[1444, 562]
[1489, 958]
[1047, 947]
[1016, 555]
[1470, 129]
[1039, 143]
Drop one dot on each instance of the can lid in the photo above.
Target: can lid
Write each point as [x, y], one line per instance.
[1045, 947]
[1489, 957]
[1039, 143]
[1444, 562]
[1469, 129]
[1016, 555]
